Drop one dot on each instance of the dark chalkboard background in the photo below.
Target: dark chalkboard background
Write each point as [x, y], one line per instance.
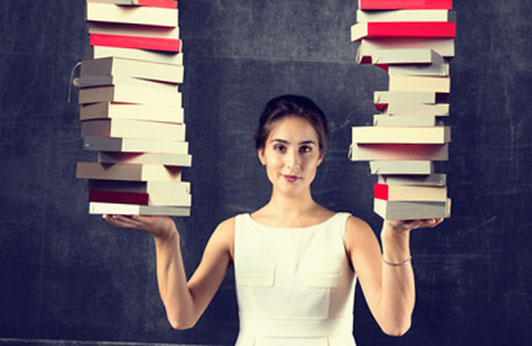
[65, 275]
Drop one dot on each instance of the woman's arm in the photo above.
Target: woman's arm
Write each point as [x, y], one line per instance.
[184, 302]
[389, 289]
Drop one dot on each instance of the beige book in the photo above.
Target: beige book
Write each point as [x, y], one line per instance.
[435, 70]
[400, 210]
[108, 80]
[111, 110]
[411, 193]
[129, 94]
[132, 129]
[385, 97]
[145, 158]
[130, 172]
[404, 109]
[402, 167]
[406, 16]
[97, 52]
[133, 30]
[99, 208]
[369, 152]
[401, 135]
[135, 145]
[400, 56]
[406, 120]
[171, 187]
[133, 68]
[103, 11]
[443, 46]
[419, 83]
[436, 179]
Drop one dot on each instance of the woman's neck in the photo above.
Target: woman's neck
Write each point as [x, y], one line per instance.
[290, 206]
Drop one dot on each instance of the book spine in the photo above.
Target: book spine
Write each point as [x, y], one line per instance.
[381, 191]
[412, 29]
[136, 42]
[158, 3]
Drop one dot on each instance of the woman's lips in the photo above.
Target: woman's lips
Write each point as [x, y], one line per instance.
[290, 178]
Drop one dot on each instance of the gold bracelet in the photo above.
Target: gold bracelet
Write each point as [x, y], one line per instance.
[397, 264]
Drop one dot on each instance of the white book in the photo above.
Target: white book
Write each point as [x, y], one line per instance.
[406, 16]
[130, 94]
[419, 83]
[133, 30]
[406, 120]
[436, 179]
[404, 109]
[145, 158]
[108, 80]
[111, 110]
[369, 152]
[443, 46]
[402, 167]
[133, 129]
[436, 70]
[400, 56]
[133, 209]
[400, 210]
[404, 135]
[135, 145]
[97, 52]
[104, 11]
[385, 97]
[132, 68]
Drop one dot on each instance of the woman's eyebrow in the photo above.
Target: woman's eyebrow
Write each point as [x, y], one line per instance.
[284, 141]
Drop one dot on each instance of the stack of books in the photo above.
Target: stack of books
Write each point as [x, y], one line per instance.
[413, 40]
[131, 110]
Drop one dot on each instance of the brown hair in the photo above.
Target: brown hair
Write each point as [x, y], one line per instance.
[291, 105]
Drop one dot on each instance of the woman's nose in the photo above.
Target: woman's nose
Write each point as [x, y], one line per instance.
[292, 159]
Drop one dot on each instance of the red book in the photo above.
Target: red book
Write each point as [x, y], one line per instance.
[380, 191]
[118, 197]
[136, 42]
[405, 4]
[148, 3]
[402, 29]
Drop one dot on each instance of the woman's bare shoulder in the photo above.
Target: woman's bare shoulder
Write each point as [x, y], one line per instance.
[358, 231]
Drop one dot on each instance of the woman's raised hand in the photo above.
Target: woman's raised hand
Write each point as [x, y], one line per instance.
[160, 226]
[407, 225]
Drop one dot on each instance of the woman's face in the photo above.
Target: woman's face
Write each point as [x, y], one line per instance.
[291, 154]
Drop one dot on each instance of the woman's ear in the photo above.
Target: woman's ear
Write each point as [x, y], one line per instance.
[261, 155]
[320, 159]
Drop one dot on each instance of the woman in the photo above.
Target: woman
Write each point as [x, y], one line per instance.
[295, 261]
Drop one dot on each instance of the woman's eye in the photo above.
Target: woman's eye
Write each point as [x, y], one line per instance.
[279, 147]
[305, 149]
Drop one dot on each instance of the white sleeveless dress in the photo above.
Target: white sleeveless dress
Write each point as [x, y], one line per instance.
[294, 286]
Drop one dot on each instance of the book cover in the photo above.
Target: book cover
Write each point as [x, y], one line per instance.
[400, 56]
[402, 29]
[406, 120]
[135, 145]
[369, 152]
[405, 4]
[133, 129]
[99, 208]
[136, 42]
[102, 11]
[434, 70]
[147, 3]
[406, 16]
[404, 109]
[136, 82]
[132, 172]
[401, 135]
[386, 97]
[410, 193]
[133, 30]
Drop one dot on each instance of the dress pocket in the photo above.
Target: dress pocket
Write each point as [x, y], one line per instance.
[255, 273]
[321, 279]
